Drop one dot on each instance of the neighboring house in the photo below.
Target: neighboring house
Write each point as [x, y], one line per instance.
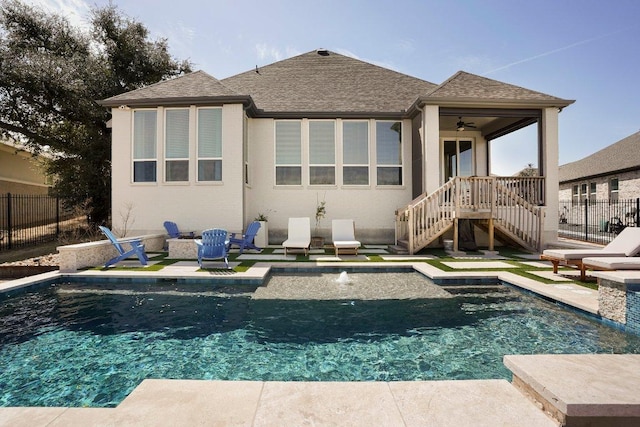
[322, 126]
[20, 171]
[612, 173]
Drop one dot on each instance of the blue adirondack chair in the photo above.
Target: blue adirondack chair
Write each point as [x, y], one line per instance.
[246, 240]
[213, 245]
[137, 248]
[174, 232]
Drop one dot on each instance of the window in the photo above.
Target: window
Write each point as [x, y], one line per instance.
[322, 153]
[177, 145]
[389, 153]
[613, 189]
[355, 153]
[144, 145]
[583, 191]
[458, 158]
[288, 152]
[209, 144]
[592, 191]
[575, 194]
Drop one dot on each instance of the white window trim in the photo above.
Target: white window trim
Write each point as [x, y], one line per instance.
[343, 164]
[335, 154]
[303, 142]
[196, 137]
[159, 168]
[164, 147]
[403, 148]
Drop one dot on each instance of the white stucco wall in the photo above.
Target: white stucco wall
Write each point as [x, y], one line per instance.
[372, 207]
[194, 206]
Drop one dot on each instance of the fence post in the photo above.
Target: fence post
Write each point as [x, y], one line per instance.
[9, 226]
[586, 219]
[638, 212]
[57, 216]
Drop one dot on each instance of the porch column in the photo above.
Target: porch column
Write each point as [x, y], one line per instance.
[431, 144]
[549, 162]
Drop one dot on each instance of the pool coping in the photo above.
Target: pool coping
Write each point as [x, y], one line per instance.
[568, 294]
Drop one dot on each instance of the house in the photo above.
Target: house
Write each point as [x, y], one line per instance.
[20, 171]
[612, 173]
[404, 157]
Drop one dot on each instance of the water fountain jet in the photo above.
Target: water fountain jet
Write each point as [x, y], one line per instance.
[344, 278]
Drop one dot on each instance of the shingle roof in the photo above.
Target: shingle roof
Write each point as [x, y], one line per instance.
[324, 81]
[620, 156]
[467, 86]
[192, 86]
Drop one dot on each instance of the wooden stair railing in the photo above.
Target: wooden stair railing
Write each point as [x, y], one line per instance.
[426, 218]
[429, 216]
[519, 219]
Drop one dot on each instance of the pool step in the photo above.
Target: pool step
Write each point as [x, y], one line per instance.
[474, 289]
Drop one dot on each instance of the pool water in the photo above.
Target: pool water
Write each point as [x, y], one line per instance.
[92, 344]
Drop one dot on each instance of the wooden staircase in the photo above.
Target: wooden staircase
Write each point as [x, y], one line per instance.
[507, 206]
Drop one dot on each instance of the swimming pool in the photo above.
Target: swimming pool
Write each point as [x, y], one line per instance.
[90, 344]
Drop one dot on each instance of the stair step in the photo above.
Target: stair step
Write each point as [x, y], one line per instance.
[398, 250]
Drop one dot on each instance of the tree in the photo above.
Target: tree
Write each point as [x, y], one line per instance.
[51, 77]
[530, 170]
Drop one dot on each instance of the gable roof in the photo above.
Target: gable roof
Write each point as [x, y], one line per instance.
[463, 88]
[621, 156]
[196, 87]
[322, 83]
[326, 82]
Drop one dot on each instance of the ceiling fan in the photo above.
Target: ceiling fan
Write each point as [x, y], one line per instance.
[461, 125]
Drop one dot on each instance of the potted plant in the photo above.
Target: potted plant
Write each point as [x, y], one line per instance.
[317, 241]
[262, 238]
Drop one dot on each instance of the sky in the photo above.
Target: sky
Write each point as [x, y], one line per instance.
[583, 50]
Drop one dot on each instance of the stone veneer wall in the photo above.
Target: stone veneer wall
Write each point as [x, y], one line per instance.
[92, 254]
[612, 300]
[620, 302]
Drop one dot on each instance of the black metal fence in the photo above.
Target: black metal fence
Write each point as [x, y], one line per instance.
[597, 221]
[27, 219]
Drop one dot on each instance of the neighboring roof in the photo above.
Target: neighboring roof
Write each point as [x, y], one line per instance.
[621, 156]
[324, 81]
[467, 88]
[196, 87]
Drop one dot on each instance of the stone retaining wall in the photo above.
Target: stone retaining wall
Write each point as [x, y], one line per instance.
[92, 254]
[619, 300]
[612, 300]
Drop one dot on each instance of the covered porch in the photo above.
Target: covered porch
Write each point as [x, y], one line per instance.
[455, 130]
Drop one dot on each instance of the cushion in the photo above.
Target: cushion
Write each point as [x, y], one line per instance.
[613, 263]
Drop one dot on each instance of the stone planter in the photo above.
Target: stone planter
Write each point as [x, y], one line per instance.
[182, 248]
[262, 238]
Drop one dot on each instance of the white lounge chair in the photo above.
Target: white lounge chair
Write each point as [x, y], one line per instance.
[626, 244]
[343, 235]
[299, 235]
[611, 263]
